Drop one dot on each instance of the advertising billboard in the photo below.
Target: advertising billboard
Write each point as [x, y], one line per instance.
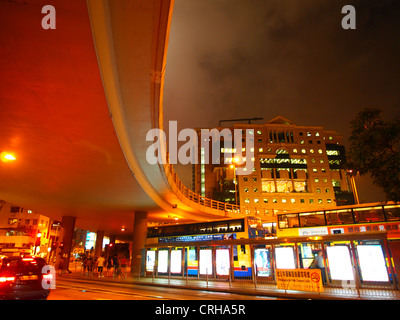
[205, 261]
[150, 260]
[162, 261]
[176, 261]
[372, 263]
[262, 262]
[340, 263]
[222, 262]
[285, 258]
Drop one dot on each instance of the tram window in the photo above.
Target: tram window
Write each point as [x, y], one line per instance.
[205, 228]
[339, 216]
[220, 227]
[192, 229]
[288, 221]
[312, 219]
[392, 212]
[180, 229]
[236, 226]
[370, 214]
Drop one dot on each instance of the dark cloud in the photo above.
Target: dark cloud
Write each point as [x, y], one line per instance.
[261, 58]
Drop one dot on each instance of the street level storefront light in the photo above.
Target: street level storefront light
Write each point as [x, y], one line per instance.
[7, 156]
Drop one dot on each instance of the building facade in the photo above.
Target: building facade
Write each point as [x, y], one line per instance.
[23, 231]
[295, 168]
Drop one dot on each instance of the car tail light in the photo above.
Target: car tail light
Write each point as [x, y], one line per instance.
[48, 277]
[7, 280]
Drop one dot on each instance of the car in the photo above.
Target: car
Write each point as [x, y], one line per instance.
[21, 278]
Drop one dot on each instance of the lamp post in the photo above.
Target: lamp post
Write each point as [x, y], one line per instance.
[232, 166]
[352, 175]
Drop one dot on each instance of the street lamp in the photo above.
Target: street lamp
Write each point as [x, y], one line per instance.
[232, 166]
[352, 175]
[6, 156]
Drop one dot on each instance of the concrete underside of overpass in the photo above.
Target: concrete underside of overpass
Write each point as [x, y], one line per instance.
[76, 103]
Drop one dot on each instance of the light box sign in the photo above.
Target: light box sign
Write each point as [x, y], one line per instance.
[340, 263]
[176, 261]
[222, 262]
[372, 263]
[162, 261]
[285, 258]
[206, 261]
[150, 260]
[206, 237]
[262, 262]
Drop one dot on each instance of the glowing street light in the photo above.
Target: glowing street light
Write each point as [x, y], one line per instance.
[7, 156]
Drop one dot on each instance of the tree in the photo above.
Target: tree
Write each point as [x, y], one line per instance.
[374, 149]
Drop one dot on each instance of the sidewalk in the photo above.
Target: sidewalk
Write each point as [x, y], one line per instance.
[244, 288]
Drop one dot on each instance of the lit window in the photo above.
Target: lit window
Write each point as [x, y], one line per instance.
[319, 200]
[255, 200]
[246, 189]
[260, 149]
[258, 131]
[255, 189]
[303, 150]
[265, 200]
[247, 200]
[294, 150]
[293, 200]
[283, 200]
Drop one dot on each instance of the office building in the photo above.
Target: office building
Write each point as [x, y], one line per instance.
[296, 168]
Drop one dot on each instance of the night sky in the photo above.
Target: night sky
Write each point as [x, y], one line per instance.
[232, 59]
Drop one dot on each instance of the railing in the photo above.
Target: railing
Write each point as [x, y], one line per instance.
[195, 197]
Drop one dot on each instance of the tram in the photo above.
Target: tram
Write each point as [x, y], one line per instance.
[170, 259]
[356, 219]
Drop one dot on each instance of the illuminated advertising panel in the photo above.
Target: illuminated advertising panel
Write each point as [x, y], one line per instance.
[90, 240]
[162, 261]
[340, 263]
[222, 262]
[150, 260]
[285, 258]
[176, 261]
[262, 262]
[372, 263]
[205, 261]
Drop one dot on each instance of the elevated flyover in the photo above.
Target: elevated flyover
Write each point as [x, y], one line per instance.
[76, 103]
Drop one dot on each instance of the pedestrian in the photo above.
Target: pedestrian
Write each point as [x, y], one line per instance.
[124, 263]
[84, 264]
[116, 266]
[318, 263]
[100, 265]
[109, 266]
[90, 266]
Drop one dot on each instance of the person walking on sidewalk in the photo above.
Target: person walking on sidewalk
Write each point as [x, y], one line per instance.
[124, 263]
[100, 265]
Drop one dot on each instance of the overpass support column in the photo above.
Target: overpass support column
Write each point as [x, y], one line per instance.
[68, 225]
[99, 243]
[139, 240]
